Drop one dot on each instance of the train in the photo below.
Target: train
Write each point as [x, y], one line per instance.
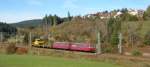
[84, 47]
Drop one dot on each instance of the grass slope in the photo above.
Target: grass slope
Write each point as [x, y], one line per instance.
[45, 61]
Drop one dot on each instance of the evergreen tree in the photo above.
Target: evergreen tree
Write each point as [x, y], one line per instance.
[51, 20]
[113, 28]
[114, 40]
[55, 20]
[45, 20]
[125, 16]
[7, 30]
[69, 16]
[124, 10]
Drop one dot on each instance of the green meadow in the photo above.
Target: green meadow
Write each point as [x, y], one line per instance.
[48, 61]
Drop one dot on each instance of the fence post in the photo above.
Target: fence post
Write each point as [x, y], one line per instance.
[16, 40]
[120, 44]
[1, 37]
[98, 46]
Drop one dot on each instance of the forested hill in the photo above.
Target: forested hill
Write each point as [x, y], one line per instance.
[28, 23]
[7, 29]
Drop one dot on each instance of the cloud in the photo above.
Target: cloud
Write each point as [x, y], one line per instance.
[35, 2]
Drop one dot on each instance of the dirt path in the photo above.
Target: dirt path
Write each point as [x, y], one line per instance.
[144, 54]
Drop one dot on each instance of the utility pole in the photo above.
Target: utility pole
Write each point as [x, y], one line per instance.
[30, 42]
[98, 46]
[120, 44]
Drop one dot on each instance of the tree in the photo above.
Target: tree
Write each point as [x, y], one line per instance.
[7, 30]
[146, 15]
[128, 17]
[69, 16]
[105, 12]
[114, 39]
[125, 16]
[46, 24]
[52, 20]
[55, 20]
[110, 28]
[113, 26]
[26, 38]
[50, 17]
[147, 38]
[124, 10]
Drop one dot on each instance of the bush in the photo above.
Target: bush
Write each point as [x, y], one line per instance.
[147, 38]
[136, 52]
[108, 50]
[145, 65]
[11, 49]
[22, 50]
[128, 17]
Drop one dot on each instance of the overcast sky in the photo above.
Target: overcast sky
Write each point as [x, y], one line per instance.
[18, 10]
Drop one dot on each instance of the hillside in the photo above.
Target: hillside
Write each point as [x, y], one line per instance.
[28, 23]
[82, 29]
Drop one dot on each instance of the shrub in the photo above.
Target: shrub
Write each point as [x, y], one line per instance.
[108, 50]
[11, 49]
[147, 38]
[145, 65]
[22, 51]
[136, 52]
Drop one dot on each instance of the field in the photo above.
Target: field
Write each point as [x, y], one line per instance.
[47, 61]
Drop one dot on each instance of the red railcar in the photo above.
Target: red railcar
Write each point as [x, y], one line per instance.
[61, 45]
[74, 46]
[82, 47]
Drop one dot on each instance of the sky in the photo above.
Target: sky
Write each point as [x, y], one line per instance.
[12, 11]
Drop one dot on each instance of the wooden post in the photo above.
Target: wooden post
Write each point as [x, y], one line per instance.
[49, 35]
[1, 37]
[98, 46]
[120, 44]
[16, 40]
